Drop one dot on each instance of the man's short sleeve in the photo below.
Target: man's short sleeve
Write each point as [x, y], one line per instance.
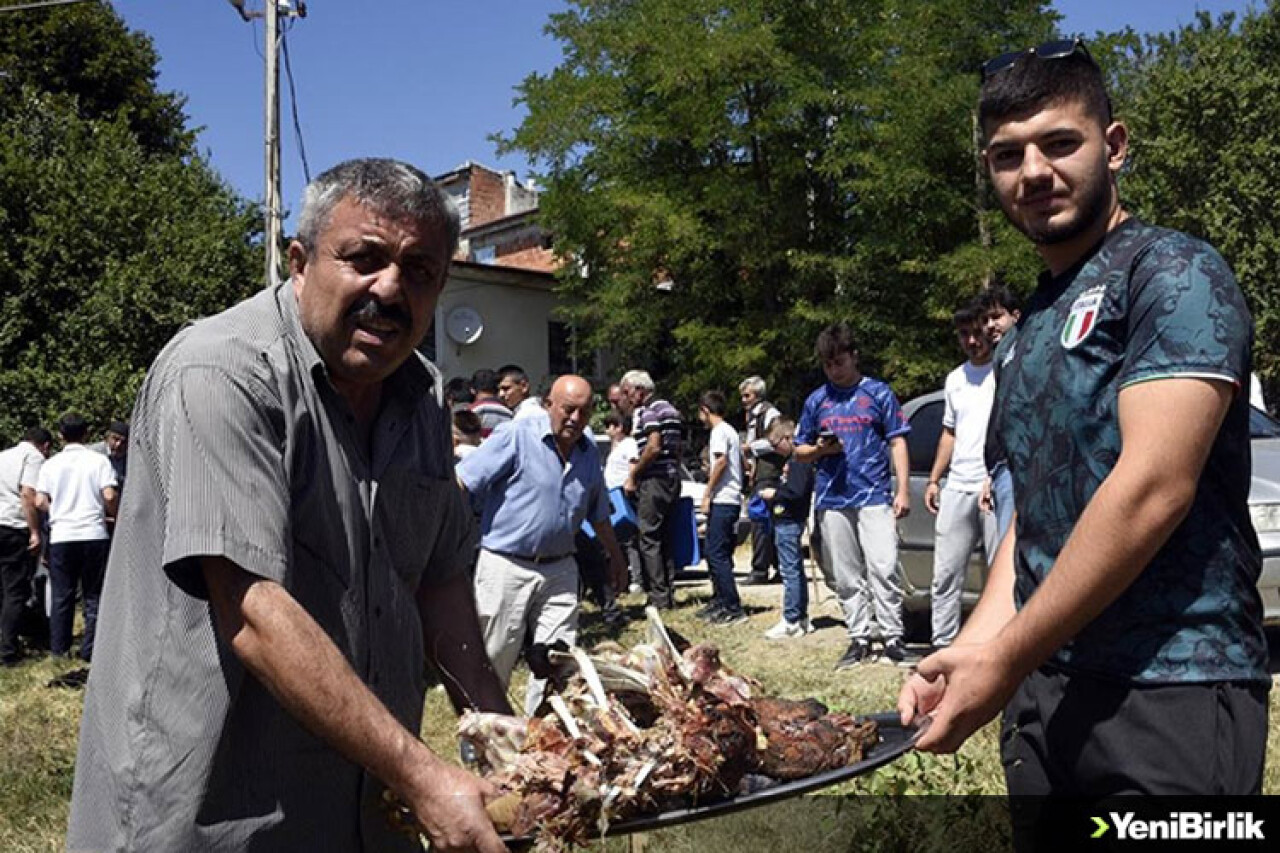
[31, 465]
[894, 421]
[1187, 316]
[224, 487]
[107, 478]
[719, 445]
[42, 480]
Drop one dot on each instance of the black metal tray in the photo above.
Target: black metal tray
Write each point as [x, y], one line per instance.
[895, 740]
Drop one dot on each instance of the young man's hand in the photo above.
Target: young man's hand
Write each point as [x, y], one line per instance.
[932, 493]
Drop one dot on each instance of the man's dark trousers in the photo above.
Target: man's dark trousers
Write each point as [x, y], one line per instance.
[764, 556]
[15, 587]
[655, 507]
[72, 564]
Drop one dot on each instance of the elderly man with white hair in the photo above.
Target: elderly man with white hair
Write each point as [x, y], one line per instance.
[764, 471]
[655, 482]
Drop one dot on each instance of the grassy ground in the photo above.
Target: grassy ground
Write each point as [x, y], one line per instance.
[39, 726]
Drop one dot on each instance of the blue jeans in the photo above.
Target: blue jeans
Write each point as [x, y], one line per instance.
[795, 593]
[1002, 495]
[72, 564]
[721, 538]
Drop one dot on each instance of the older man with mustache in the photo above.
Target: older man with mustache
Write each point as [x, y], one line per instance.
[292, 553]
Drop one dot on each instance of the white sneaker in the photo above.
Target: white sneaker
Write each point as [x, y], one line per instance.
[783, 630]
[635, 588]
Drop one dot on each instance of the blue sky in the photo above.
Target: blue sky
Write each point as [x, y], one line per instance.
[426, 81]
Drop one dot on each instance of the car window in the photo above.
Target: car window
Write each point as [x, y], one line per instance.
[1262, 425]
[922, 441]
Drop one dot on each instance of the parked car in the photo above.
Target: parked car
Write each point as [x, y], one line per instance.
[916, 549]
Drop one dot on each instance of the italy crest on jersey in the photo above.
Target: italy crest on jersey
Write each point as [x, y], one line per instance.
[1083, 318]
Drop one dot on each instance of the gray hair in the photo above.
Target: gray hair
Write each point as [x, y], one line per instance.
[754, 384]
[637, 379]
[390, 187]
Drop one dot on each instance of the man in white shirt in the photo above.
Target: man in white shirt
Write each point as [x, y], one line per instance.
[513, 391]
[617, 467]
[19, 533]
[969, 392]
[721, 503]
[78, 489]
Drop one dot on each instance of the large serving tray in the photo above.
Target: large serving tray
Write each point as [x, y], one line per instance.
[895, 740]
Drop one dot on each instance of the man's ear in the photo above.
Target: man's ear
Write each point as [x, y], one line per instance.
[297, 258]
[1117, 137]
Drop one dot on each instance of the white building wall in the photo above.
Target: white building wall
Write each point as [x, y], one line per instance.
[515, 321]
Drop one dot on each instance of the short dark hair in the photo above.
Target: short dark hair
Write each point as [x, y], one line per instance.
[1031, 84]
[615, 419]
[515, 371]
[485, 380]
[73, 427]
[120, 428]
[999, 296]
[834, 340]
[969, 314]
[713, 402]
[38, 435]
[467, 422]
[458, 390]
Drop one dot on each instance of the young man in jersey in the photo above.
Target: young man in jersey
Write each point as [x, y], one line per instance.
[1120, 630]
[850, 428]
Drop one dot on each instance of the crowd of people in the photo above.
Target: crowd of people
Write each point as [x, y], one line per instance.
[314, 516]
[57, 513]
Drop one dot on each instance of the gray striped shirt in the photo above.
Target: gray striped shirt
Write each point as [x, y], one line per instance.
[241, 448]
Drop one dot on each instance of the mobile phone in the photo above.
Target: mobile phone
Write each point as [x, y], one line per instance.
[825, 434]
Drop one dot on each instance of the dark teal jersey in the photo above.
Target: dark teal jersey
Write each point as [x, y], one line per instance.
[1146, 304]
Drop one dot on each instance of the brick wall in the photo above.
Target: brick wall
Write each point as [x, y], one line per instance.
[532, 258]
[488, 196]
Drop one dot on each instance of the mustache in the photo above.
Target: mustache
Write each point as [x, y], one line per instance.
[369, 309]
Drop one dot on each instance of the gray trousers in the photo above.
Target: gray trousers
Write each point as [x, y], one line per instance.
[861, 549]
[959, 526]
[516, 599]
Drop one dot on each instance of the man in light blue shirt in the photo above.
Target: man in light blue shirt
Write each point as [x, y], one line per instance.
[536, 481]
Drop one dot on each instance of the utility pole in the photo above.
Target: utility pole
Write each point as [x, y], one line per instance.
[271, 142]
[272, 213]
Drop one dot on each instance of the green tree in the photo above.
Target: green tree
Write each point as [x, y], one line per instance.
[1202, 105]
[116, 233]
[731, 176]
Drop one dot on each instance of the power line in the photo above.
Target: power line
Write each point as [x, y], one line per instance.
[293, 102]
[41, 5]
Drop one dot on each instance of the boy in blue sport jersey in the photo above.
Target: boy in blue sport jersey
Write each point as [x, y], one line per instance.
[1120, 630]
[849, 429]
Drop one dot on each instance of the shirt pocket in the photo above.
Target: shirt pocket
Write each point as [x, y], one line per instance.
[421, 516]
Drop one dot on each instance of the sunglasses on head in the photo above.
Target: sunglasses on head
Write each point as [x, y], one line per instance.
[1057, 49]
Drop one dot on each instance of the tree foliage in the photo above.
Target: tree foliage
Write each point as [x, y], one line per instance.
[782, 163]
[785, 163]
[1202, 105]
[117, 233]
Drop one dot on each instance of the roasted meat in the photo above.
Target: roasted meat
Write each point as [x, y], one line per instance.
[638, 731]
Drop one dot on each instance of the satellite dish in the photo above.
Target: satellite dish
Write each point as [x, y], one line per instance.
[464, 325]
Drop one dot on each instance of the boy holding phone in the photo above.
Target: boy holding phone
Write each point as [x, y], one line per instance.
[849, 429]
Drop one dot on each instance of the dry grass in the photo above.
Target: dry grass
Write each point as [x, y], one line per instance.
[39, 726]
